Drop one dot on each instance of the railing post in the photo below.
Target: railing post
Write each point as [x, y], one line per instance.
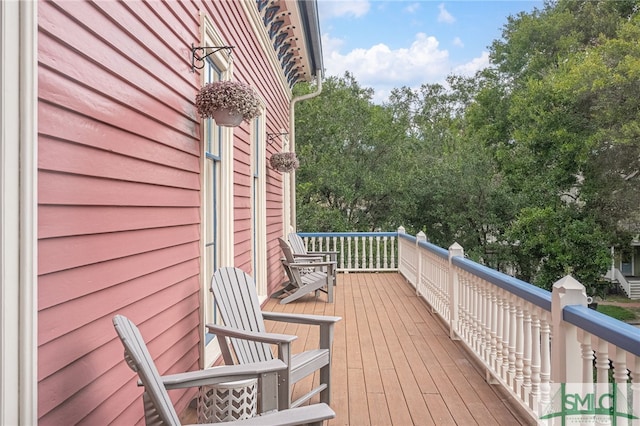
[454, 250]
[566, 354]
[420, 236]
[401, 230]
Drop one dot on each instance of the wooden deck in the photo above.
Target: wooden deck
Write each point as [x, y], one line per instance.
[393, 362]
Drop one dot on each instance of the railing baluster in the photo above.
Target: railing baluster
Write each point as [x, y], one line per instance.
[519, 350]
[356, 253]
[587, 357]
[545, 360]
[499, 333]
[535, 360]
[393, 254]
[602, 361]
[512, 343]
[506, 315]
[486, 323]
[526, 359]
[371, 239]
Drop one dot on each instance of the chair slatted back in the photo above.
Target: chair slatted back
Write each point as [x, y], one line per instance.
[294, 273]
[297, 244]
[139, 359]
[236, 297]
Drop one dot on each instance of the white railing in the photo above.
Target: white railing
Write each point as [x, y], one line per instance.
[529, 340]
[357, 251]
[509, 325]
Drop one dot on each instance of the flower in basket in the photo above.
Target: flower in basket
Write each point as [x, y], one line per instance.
[232, 98]
[284, 161]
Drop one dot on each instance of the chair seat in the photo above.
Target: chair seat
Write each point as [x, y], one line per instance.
[308, 362]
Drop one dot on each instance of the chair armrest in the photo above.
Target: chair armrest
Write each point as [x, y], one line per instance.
[301, 265]
[226, 373]
[270, 338]
[300, 318]
[322, 252]
[308, 255]
[325, 322]
[308, 414]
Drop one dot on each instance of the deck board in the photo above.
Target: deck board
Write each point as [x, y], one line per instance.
[393, 361]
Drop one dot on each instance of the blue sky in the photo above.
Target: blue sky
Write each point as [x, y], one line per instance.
[387, 44]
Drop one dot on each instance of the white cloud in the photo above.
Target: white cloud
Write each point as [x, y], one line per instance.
[412, 8]
[444, 15]
[476, 64]
[458, 42]
[382, 68]
[338, 8]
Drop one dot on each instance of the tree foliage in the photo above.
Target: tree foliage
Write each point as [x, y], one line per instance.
[532, 165]
[352, 161]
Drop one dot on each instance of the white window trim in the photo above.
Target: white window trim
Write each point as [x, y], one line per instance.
[225, 228]
[260, 211]
[18, 213]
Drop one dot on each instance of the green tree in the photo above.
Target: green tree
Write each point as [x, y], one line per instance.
[551, 243]
[531, 165]
[354, 170]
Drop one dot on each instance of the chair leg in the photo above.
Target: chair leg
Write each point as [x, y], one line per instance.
[325, 377]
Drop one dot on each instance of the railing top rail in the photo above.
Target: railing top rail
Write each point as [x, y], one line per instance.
[529, 292]
[621, 334]
[407, 237]
[347, 234]
[434, 249]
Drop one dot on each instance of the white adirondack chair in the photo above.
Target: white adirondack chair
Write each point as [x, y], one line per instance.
[306, 277]
[159, 409]
[300, 252]
[237, 300]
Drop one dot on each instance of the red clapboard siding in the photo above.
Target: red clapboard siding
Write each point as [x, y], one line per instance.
[64, 189]
[187, 32]
[102, 82]
[84, 310]
[102, 107]
[75, 362]
[60, 221]
[59, 287]
[88, 131]
[83, 160]
[58, 254]
[143, 59]
[119, 193]
[80, 372]
[92, 380]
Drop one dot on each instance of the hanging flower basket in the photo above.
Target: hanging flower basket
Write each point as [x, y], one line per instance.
[228, 102]
[284, 162]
